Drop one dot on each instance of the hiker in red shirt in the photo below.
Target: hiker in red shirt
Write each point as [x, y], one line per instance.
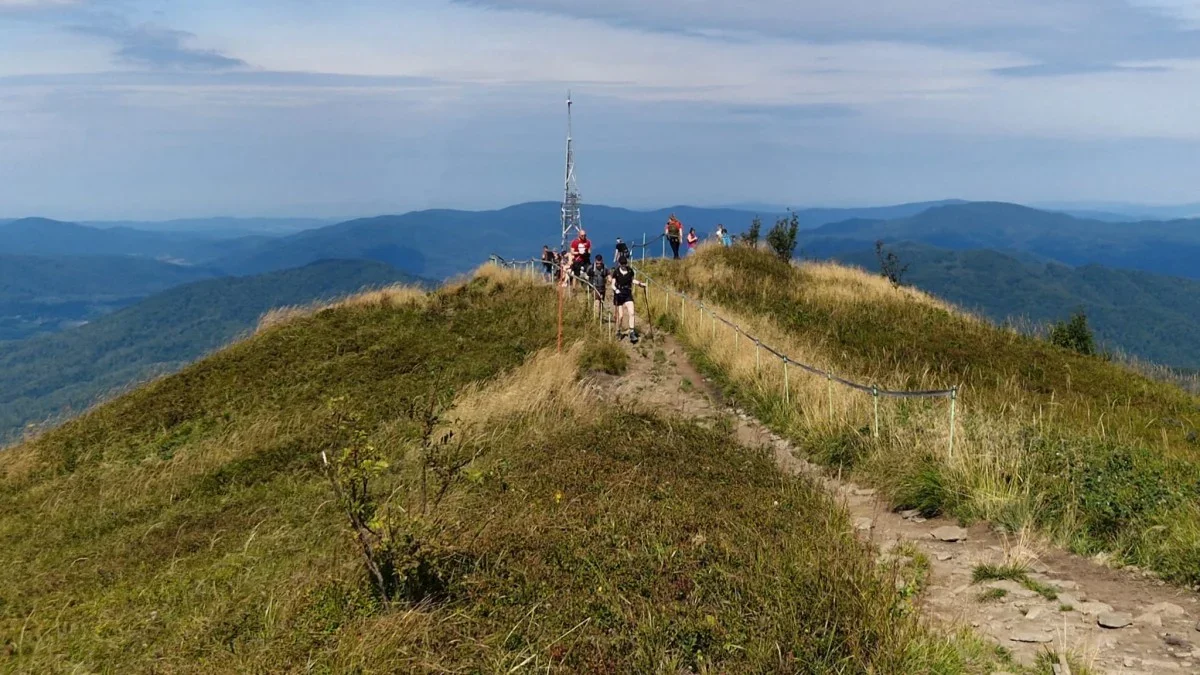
[581, 254]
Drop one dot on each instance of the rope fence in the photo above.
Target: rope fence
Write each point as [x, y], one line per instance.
[759, 346]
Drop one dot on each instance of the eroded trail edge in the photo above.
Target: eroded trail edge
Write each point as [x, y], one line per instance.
[1112, 621]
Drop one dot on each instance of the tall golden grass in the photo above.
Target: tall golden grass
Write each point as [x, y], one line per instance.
[389, 297]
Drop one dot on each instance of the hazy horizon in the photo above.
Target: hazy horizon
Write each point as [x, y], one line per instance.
[1113, 207]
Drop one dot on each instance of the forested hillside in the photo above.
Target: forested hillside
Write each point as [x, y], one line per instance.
[44, 294]
[46, 376]
[1152, 316]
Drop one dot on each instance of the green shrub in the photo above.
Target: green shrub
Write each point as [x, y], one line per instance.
[842, 450]
[926, 489]
[782, 237]
[1113, 488]
[1074, 334]
[603, 356]
[750, 238]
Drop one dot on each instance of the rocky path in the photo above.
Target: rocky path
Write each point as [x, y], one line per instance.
[1113, 621]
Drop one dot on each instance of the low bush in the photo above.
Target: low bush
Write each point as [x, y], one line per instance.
[603, 356]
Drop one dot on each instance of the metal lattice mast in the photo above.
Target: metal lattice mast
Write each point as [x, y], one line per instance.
[571, 220]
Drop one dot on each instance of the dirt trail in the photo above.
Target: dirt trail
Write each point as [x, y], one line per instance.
[1162, 632]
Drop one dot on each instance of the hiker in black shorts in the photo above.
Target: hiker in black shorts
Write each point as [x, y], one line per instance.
[623, 282]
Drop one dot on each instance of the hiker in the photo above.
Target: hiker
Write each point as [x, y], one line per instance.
[622, 250]
[548, 263]
[674, 232]
[623, 282]
[723, 235]
[560, 267]
[581, 255]
[599, 279]
[692, 239]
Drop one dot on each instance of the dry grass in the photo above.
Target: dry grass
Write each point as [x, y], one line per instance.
[1085, 452]
[390, 297]
[539, 391]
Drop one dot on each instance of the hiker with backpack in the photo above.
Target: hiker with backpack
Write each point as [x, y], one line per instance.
[674, 232]
[548, 263]
[599, 280]
[623, 282]
[621, 251]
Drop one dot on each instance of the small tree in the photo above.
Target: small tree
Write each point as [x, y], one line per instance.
[889, 265]
[396, 534]
[782, 237]
[1074, 334]
[750, 237]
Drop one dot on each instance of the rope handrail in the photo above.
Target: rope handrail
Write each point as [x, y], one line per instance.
[514, 263]
[870, 389]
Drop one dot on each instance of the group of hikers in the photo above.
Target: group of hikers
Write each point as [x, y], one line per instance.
[576, 264]
[674, 234]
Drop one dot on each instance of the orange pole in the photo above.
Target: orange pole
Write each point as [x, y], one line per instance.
[560, 310]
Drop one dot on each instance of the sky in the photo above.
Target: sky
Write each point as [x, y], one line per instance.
[162, 109]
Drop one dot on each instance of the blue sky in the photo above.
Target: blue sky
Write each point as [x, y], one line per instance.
[159, 108]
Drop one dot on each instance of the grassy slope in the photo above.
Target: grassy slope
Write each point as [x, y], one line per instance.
[184, 527]
[1096, 455]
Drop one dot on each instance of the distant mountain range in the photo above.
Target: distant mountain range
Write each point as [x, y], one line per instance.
[43, 237]
[220, 227]
[1161, 247]
[1122, 211]
[43, 376]
[441, 243]
[816, 217]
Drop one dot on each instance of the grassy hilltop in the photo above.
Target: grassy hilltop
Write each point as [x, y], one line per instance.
[188, 526]
[1086, 451]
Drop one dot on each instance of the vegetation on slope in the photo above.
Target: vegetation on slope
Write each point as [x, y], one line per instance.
[1085, 450]
[43, 377]
[187, 527]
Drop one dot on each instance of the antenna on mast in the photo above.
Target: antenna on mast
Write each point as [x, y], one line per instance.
[570, 207]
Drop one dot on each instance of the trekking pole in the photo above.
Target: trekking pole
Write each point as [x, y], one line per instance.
[829, 389]
[643, 247]
[787, 390]
[953, 400]
[875, 396]
[649, 314]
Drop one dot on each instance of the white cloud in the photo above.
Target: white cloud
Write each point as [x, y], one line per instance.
[36, 4]
[1187, 11]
